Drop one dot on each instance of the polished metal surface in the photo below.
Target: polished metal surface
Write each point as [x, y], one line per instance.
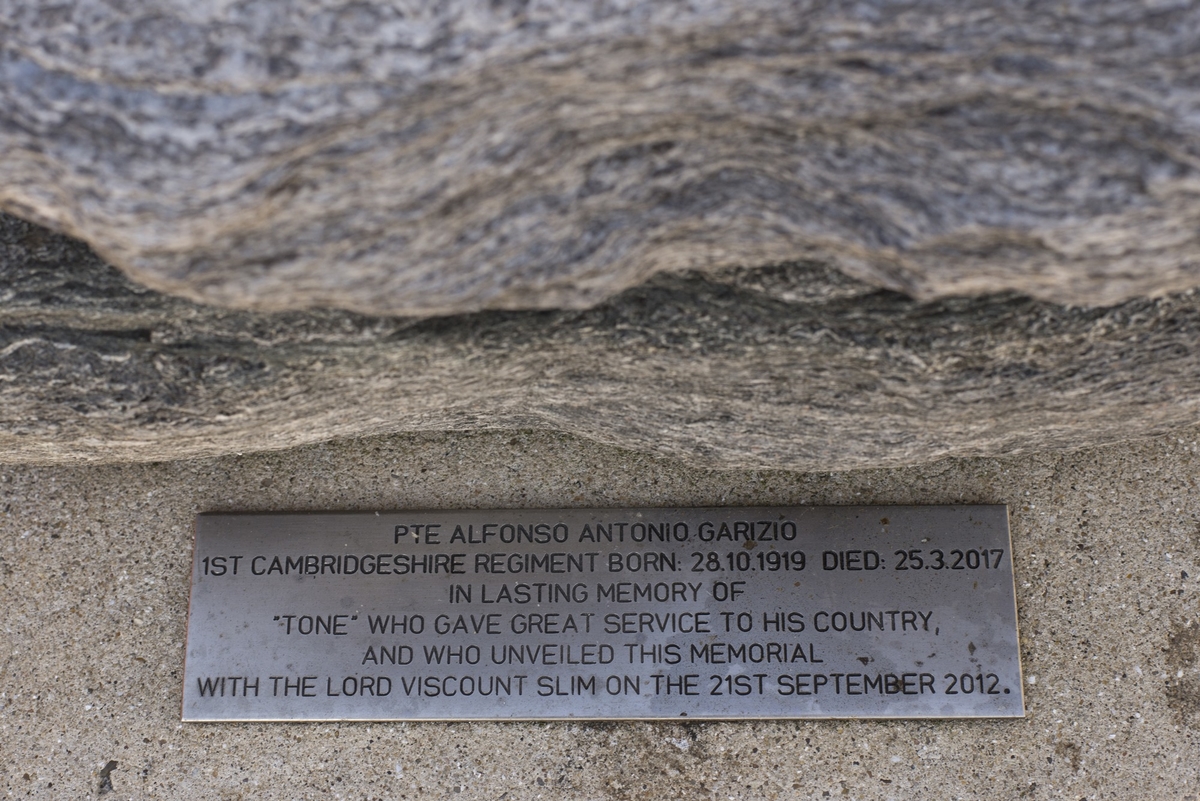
[847, 612]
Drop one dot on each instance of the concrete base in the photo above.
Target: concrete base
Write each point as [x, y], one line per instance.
[94, 566]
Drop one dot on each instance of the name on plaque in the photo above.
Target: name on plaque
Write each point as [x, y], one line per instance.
[780, 612]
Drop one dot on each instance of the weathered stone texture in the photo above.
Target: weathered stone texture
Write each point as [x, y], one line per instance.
[792, 366]
[437, 158]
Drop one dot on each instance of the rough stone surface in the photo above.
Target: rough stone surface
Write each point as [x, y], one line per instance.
[94, 566]
[790, 366]
[435, 158]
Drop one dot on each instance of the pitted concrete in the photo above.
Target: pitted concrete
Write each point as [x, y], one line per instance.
[94, 565]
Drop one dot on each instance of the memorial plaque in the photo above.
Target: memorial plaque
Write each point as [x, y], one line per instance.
[796, 612]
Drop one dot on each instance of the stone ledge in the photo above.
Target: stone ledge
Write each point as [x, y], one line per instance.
[793, 366]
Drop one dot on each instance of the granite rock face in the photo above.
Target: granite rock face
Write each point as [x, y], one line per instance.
[439, 158]
[790, 366]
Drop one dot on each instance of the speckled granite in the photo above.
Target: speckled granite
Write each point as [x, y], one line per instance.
[93, 592]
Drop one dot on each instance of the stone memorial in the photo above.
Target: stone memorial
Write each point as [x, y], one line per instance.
[598, 259]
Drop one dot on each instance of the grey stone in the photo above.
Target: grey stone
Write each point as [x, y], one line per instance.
[793, 365]
[437, 158]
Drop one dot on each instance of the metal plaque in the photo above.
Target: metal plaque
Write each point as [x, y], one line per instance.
[796, 612]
